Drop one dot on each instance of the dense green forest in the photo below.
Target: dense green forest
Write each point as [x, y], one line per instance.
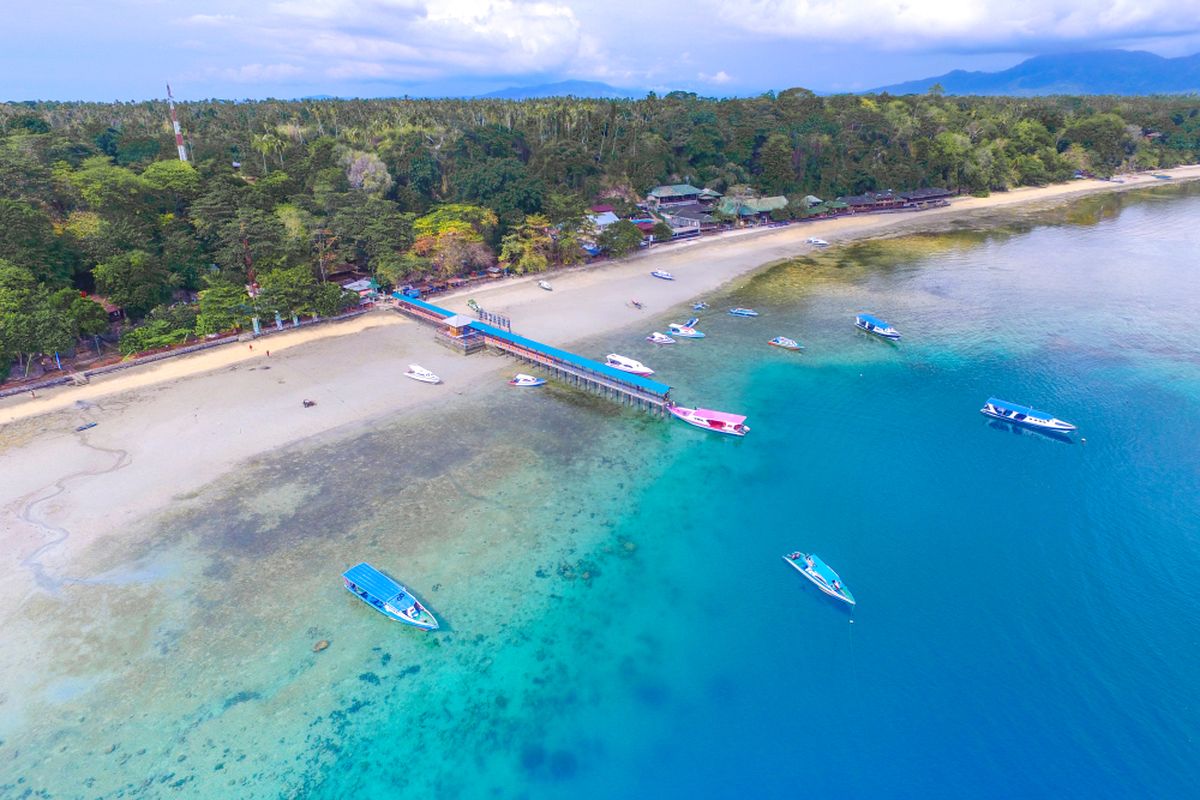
[94, 198]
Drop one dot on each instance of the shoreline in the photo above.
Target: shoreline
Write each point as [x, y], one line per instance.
[535, 311]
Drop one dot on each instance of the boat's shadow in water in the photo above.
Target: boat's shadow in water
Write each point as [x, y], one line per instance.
[1021, 430]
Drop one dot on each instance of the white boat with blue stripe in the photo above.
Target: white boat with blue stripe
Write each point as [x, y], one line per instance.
[387, 597]
[743, 312]
[873, 324]
[821, 574]
[1024, 415]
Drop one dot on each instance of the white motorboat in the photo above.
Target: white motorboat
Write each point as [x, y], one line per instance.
[709, 420]
[785, 343]
[627, 364]
[545, 285]
[815, 241]
[419, 373]
[821, 574]
[873, 324]
[663, 274]
[660, 338]
[521, 379]
[743, 312]
[1024, 415]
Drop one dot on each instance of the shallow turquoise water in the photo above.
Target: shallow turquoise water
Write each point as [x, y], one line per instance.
[619, 620]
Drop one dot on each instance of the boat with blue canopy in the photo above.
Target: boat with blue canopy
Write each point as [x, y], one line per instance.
[821, 574]
[387, 597]
[872, 324]
[743, 312]
[1024, 415]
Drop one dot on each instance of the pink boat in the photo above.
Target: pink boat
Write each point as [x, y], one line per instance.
[719, 421]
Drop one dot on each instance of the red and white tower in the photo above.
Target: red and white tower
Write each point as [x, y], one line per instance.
[175, 124]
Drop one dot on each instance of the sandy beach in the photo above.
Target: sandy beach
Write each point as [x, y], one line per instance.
[167, 428]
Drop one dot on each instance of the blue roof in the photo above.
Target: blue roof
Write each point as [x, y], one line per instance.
[874, 320]
[823, 569]
[374, 582]
[422, 304]
[1026, 410]
[645, 384]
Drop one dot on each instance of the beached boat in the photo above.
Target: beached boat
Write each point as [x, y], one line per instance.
[545, 285]
[1024, 415]
[820, 574]
[637, 304]
[660, 338]
[419, 373]
[627, 364]
[387, 597]
[663, 274]
[743, 312]
[786, 343]
[686, 330]
[872, 324]
[719, 421]
[701, 306]
[521, 379]
[815, 241]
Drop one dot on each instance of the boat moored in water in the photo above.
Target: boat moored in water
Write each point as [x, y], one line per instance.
[419, 373]
[627, 364]
[821, 574]
[521, 379]
[873, 324]
[709, 420]
[663, 274]
[786, 343]
[387, 597]
[545, 285]
[1024, 415]
[660, 338]
[743, 312]
[686, 330]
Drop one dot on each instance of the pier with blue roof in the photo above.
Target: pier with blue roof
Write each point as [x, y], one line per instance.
[468, 336]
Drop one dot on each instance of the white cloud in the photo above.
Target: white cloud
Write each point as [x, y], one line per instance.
[253, 73]
[960, 24]
[721, 77]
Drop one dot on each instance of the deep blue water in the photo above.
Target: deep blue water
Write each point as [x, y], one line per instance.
[619, 621]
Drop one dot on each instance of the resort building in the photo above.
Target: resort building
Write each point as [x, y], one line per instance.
[689, 220]
[924, 198]
[678, 194]
[750, 209]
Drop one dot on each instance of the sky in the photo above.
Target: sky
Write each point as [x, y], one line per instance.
[128, 49]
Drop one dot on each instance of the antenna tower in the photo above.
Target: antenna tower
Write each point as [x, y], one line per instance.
[175, 124]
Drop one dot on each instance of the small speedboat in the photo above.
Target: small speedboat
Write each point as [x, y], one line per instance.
[875, 325]
[387, 597]
[419, 373]
[686, 330]
[701, 306]
[743, 312]
[660, 338]
[545, 285]
[1024, 415]
[821, 574]
[786, 343]
[719, 421]
[815, 241]
[627, 364]
[663, 274]
[521, 379]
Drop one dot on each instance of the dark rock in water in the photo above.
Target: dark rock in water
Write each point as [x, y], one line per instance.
[532, 757]
[321, 645]
[385, 659]
[369, 677]
[241, 697]
[563, 765]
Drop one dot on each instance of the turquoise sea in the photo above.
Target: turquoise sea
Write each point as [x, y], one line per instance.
[619, 622]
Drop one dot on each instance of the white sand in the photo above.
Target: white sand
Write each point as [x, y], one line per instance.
[168, 428]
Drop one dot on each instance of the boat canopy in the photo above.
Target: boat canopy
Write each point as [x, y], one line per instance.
[372, 581]
[720, 416]
[824, 570]
[874, 320]
[1026, 410]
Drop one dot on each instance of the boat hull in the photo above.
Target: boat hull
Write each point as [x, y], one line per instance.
[786, 345]
[686, 333]
[883, 333]
[1052, 425]
[423, 378]
[527, 381]
[687, 416]
[662, 276]
[845, 596]
[423, 619]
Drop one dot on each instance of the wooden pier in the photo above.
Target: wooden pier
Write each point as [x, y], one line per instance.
[575, 370]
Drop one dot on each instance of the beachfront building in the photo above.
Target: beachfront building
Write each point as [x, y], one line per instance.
[689, 220]
[748, 210]
[926, 198]
[872, 201]
[367, 289]
[681, 194]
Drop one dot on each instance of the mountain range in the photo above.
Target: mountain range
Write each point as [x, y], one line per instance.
[590, 89]
[1094, 72]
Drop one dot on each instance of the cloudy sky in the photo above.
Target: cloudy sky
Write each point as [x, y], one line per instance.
[127, 49]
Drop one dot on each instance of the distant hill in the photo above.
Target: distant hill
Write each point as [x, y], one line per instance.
[1096, 72]
[564, 89]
